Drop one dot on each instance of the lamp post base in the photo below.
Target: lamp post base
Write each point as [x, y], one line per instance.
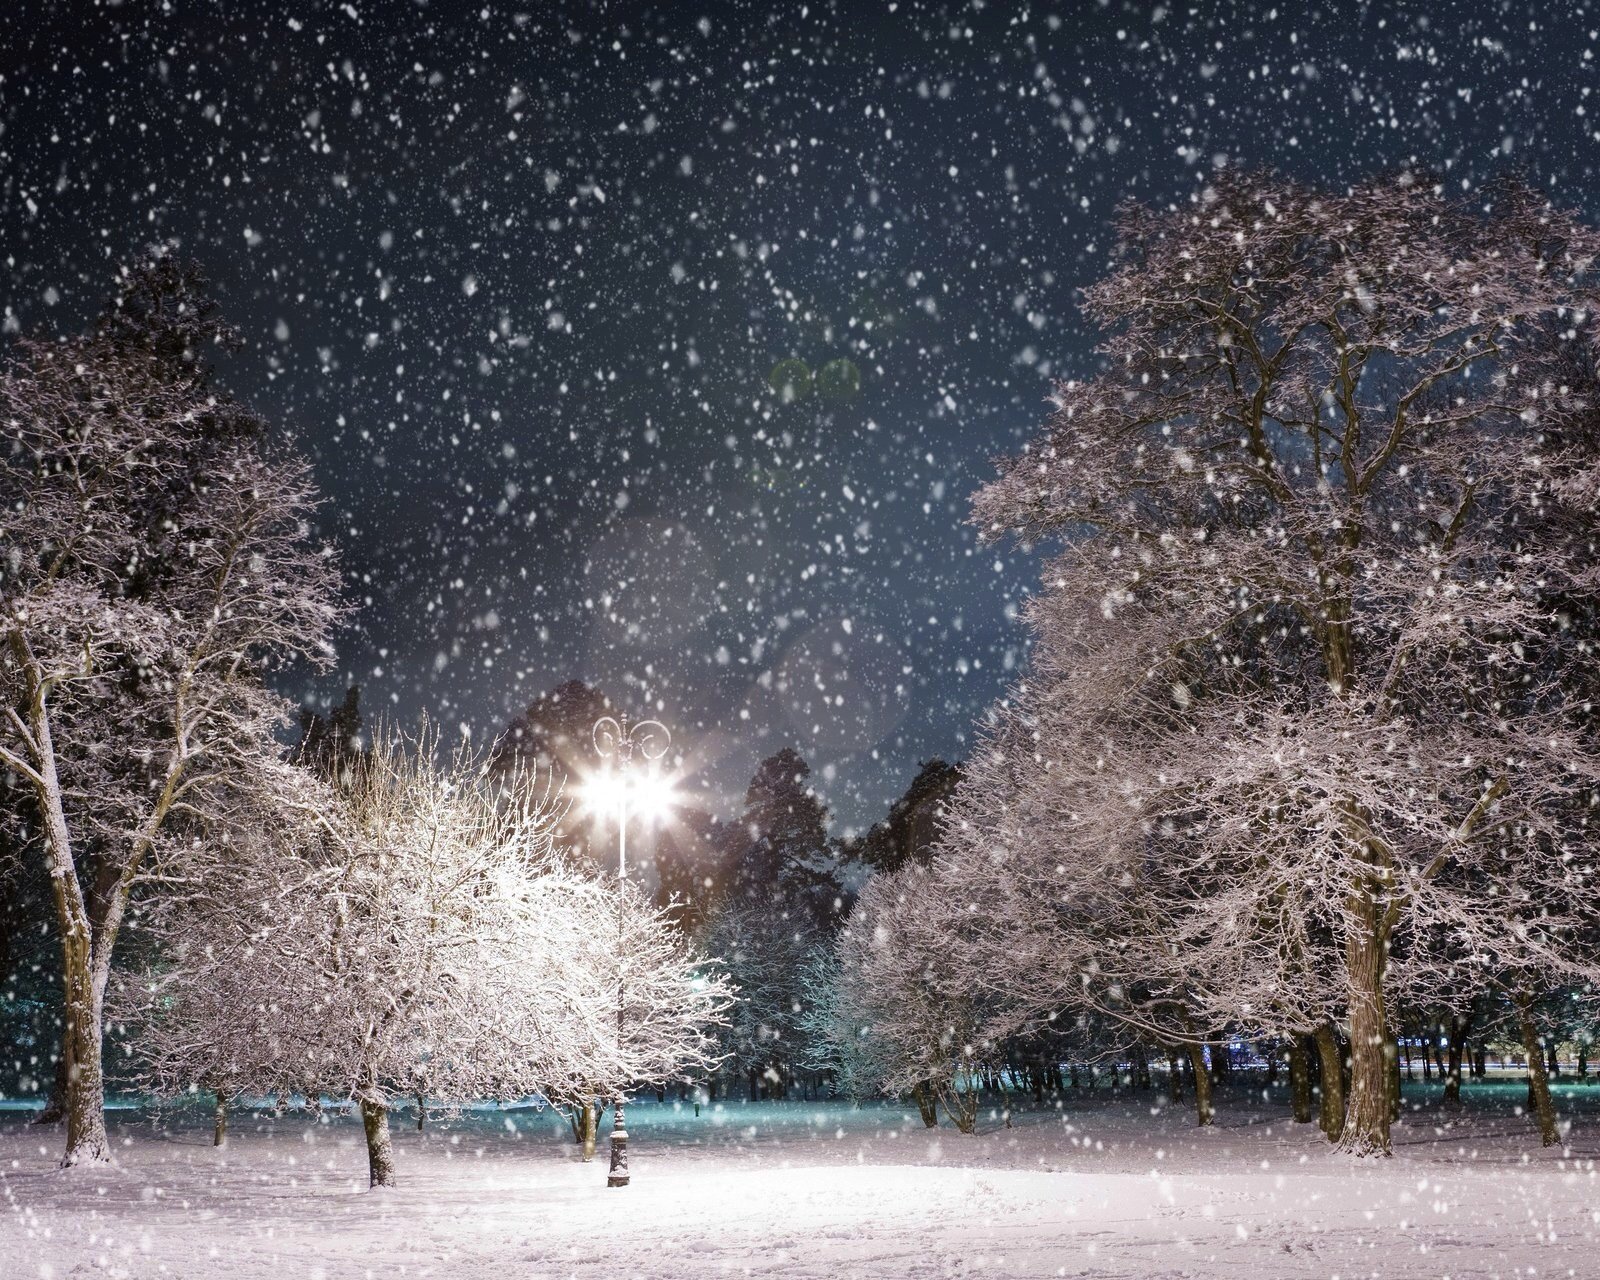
[618, 1176]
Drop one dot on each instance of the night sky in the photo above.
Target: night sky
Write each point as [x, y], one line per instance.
[663, 346]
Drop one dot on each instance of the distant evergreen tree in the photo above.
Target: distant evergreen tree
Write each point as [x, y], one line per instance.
[778, 903]
[555, 735]
[911, 830]
[684, 857]
[555, 731]
[778, 854]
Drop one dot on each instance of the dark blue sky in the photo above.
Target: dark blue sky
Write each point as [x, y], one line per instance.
[519, 280]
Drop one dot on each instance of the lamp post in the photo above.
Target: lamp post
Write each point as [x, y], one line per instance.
[618, 741]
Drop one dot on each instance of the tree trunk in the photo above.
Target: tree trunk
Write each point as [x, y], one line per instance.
[1221, 1063]
[1174, 1078]
[422, 1112]
[82, 996]
[1005, 1080]
[87, 1142]
[1331, 1086]
[1552, 1061]
[219, 1127]
[1583, 1063]
[55, 1106]
[1391, 1061]
[86, 941]
[1299, 1079]
[1204, 1112]
[961, 1106]
[1141, 1067]
[380, 1150]
[588, 1126]
[1543, 1109]
[1366, 1123]
[927, 1106]
[755, 1085]
[1456, 1044]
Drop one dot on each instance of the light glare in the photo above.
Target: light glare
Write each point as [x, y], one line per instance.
[648, 793]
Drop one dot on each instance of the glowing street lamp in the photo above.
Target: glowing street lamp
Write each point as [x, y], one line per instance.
[620, 789]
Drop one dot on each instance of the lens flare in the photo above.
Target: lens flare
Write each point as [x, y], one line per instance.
[648, 793]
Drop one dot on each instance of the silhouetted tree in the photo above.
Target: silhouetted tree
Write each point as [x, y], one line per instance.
[911, 830]
[779, 901]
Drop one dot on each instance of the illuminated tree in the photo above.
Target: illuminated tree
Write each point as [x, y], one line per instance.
[1306, 597]
[155, 559]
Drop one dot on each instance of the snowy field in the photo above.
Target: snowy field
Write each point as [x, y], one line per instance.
[1107, 1187]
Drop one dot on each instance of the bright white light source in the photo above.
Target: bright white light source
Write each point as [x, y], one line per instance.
[648, 793]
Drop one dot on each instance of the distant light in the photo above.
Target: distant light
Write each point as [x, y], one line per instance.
[649, 793]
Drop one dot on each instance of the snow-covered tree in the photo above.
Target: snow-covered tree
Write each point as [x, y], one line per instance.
[765, 1036]
[831, 1043]
[1302, 631]
[1077, 911]
[914, 1021]
[155, 558]
[412, 931]
[776, 854]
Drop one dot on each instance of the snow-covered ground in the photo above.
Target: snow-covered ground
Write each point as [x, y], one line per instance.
[1108, 1186]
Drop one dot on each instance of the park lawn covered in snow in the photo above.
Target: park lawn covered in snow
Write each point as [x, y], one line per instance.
[1107, 1186]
